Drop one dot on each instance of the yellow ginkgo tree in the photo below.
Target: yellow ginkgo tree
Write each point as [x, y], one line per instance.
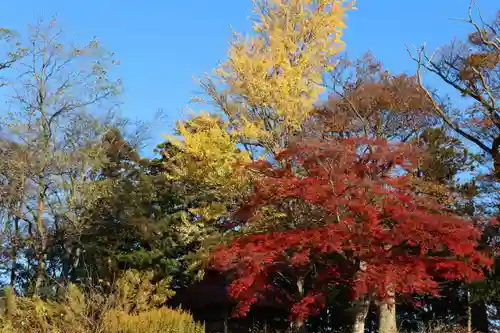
[263, 92]
[262, 95]
[271, 79]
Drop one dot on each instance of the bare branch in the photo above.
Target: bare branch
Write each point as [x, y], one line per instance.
[419, 59]
[495, 43]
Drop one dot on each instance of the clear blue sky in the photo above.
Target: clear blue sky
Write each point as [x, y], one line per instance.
[162, 44]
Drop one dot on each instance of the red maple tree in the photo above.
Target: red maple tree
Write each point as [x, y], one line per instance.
[348, 209]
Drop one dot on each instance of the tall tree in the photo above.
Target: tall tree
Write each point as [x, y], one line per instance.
[366, 100]
[53, 122]
[263, 92]
[268, 85]
[357, 211]
[271, 80]
[138, 222]
[471, 68]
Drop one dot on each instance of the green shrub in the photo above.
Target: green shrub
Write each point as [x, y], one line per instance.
[163, 320]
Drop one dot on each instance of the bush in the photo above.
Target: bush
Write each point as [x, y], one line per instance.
[133, 307]
[32, 314]
[163, 320]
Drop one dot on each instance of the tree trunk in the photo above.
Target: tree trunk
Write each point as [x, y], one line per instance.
[299, 325]
[15, 245]
[479, 317]
[42, 181]
[65, 262]
[43, 239]
[469, 313]
[226, 330]
[360, 313]
[387, 315]
[496, 157]
[371, 324]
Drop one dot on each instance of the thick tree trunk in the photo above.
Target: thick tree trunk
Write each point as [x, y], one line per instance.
[360, 312]
[299, 326]
[361, 308]
[387, 315]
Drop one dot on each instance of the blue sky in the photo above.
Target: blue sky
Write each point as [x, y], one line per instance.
[162, 44]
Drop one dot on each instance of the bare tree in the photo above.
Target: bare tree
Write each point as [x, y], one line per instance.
[367, 100]
[472, 68]
[59, 92]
